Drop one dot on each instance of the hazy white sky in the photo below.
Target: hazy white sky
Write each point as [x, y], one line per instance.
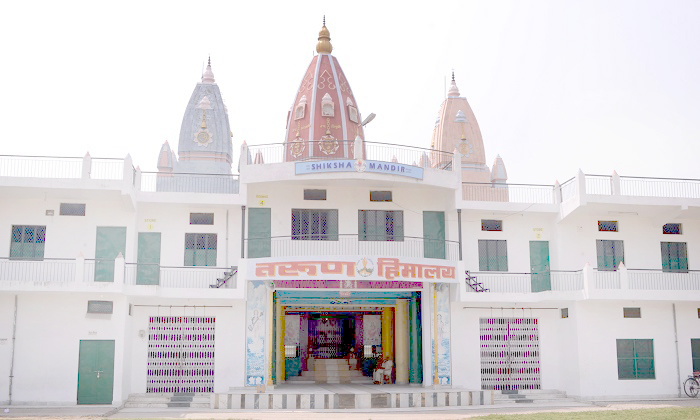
[555, 85]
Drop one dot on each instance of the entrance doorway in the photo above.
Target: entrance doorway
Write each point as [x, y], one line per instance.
[96, 372]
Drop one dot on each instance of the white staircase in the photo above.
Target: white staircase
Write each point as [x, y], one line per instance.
[331, 371]
[531, 396]
[169, 400]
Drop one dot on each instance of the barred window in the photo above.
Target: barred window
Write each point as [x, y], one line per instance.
[491, 225]
[200, 249]
[380, 225]
[610, 254]
[100, 307]
[72, 209]
[674, 257]
[493, 255]
[314, 194]
[201, 218]
[635, 359]
[27, 242]
[564, 312]
[314, 224]
[607, 226]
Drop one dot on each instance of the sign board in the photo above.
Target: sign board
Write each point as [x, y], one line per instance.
[359, 165]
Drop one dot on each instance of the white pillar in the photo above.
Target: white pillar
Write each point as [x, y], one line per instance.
[427, 333]
[401, 341]
[119, 269]
[87, 166]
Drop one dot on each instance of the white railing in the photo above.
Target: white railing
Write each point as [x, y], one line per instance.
[565, 281]
[40, 167]
[499, 282]
[659, 187]
[178, 277]
[47, 270]
[107, 168]
[599, 184]
[607, 279]
[508, 193]
[660, 280]
[194, 183]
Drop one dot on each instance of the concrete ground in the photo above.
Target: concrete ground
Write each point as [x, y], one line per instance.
[104, 411]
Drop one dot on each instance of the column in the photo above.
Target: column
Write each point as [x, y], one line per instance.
[427, 333]
[415, 372]
[401, 341]
[388, 333]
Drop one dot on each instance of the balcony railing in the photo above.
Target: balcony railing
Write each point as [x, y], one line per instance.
[64, 271]
[40, 167]
[661, 280]
[184, 182]
[499, 282]
[318, 150]
[508, 193]
[344, 244]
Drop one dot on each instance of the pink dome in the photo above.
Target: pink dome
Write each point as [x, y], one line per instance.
[324, 115]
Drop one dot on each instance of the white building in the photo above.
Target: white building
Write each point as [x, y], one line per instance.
[115, 281]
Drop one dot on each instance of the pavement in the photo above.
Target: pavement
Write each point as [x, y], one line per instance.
[86, 412]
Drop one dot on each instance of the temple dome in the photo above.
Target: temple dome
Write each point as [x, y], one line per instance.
[324, 118]
[205, 135]
[456, 130]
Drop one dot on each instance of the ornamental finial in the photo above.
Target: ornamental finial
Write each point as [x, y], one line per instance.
[324, 40]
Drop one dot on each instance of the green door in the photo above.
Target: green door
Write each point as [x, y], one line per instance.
[539, 266]
[96, 372]
[148, 258]
[111, 241]
[259, 232]
[434, 234]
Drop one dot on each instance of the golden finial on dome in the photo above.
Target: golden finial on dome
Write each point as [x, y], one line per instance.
[324, 40]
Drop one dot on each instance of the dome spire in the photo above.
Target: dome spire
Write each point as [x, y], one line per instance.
[208, 76]
[454, 91]
[324, 40]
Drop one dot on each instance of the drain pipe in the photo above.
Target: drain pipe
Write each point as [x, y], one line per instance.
[675, 336]
[12, 358]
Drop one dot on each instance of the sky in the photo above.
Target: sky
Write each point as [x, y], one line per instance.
[556, 86]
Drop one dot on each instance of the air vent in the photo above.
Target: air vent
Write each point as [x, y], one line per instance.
[100, 307]
[380, 196]
[201, 218]
[632, 312]
[314, 194]
[72, 209]
[672, 229]
[607, 226]
[564, 312]
[491, 225]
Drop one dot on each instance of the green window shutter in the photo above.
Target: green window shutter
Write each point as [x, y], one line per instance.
[190, 239]
[110, 241]
[434, 234]
[610, 254]
[380, 225]
[259, 233]
[315, 224]
[27, 242]
[493, 255]
[635, 359]
[695, 353]
[200, 249]
[148, 258]
[674, 257]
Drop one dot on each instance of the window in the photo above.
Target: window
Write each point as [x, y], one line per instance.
[314, 225]
[380, 196]
[564, 312]
[607, 226]
[100, 307]
[27, 242]
[695, 353]
[632, 312]
[491, 225]
[200, 249]
[201, 218]
[493, 255]
[674, 257]
[635, 359]
[672, 229]
[314, 194]
[72, 209]
[380, 225]
[610, 254]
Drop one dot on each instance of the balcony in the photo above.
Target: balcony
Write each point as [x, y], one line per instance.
[61, 271]
[346, 245]
[188, 183]
[597, 283]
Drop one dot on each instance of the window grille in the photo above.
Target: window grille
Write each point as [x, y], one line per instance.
[610, 254]
[635, 359]
[200, 249]
[100, 307]
[27, 242]
[672, 229]
[632, 312]
[493, 255]
[72, 209]
[314, 224]
[380, 225]
[674, 257]
[380, 196]
[564, 312]
[607, 226]
[201, 218]
[314, 194]
[491, 225]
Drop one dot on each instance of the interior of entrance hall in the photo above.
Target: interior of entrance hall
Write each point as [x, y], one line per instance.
[343, 337]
